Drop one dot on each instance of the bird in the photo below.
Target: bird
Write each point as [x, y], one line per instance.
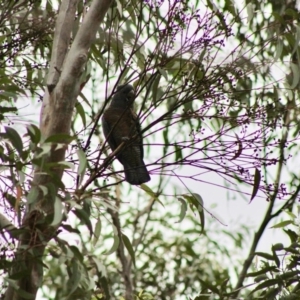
[120, 124]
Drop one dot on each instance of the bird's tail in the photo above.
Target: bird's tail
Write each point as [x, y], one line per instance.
[136, 175]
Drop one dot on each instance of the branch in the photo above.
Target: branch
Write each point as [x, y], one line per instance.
[126, 266]
[58, 107]
[62, 35]
[268, 217]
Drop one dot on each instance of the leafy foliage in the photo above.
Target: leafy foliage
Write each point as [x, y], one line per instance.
[215, 95]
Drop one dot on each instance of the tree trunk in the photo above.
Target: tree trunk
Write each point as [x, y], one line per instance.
[63, 87]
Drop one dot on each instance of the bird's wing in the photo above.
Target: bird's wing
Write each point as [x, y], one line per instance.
[106, 125]
[137, 130]
[117, 126]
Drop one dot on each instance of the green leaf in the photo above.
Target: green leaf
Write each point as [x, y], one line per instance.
[261, 278]
[123, 75]
[116, 242]
[129, 247]
[58, 212]
[297, 40]
[163, 73]
[97, 232]
[82, 164]
[257, 178]
[141, 58]
[240, 148]
[283, 224]
[292, 235]
[77, 254]
[75, 277]
[278, 247]
[63, 164]
[105, 287]
[81, 112]
[34, 133]
[155, 88]
[263, 271]
[32, 195]
[148, 190]
[279, 49]
[197, 201]
[183, 209]
[15, 139]
[265, 284]
[119, 7]
[290, 214]
[70, 228]
[288, 90]
[250, 12]
[211, 287]
[292, 250]
[44, 189]
[203, 52]
[290, 274]
[14, 284]
[272, 293]
[198, 74]
[212, 6]
[99, 266]
[4, 110]
[229, 6]
[178, 153]
[46, 150]
[296, 75]
[276, 259]
[265, 255]
[84, 217]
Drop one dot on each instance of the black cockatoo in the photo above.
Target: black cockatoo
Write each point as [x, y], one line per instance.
[120, 124]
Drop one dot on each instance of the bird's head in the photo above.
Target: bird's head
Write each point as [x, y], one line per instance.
[124, 96]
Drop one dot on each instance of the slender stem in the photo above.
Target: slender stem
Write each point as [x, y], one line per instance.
[267, 218]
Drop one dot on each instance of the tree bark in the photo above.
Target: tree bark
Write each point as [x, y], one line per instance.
[63, 87]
